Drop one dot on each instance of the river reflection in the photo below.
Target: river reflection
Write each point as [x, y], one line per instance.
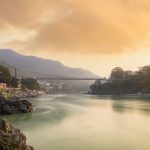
[84, 122]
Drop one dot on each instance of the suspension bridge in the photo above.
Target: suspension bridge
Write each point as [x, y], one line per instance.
[66, 78]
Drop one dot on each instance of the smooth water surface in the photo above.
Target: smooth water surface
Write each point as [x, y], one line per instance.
[84, 122]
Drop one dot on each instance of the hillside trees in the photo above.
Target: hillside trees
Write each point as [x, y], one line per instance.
[125, 82]
[30, 83]
[5, 75]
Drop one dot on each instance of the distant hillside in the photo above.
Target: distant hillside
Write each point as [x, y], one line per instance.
[35, 66]
[19, 71]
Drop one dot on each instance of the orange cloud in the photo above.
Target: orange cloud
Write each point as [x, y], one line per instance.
[71, 26]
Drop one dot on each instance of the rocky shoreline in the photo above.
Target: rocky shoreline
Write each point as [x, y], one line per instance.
[11, 138]
[16, 93]
[9, 107]
[11, 102]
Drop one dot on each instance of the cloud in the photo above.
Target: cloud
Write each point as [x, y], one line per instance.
[79, 27]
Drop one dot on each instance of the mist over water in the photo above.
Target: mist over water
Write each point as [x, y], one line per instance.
[84, 122]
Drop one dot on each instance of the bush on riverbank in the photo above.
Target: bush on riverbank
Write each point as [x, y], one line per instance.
[5, 75]
[30, 84]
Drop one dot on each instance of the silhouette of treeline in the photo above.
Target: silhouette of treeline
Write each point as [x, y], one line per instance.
[12, 81]
[124, 82]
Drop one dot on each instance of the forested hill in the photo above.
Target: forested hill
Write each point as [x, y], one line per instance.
[124, 82]
[35, 66]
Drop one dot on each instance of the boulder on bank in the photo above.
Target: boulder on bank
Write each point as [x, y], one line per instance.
[11, 138]
[9, 107]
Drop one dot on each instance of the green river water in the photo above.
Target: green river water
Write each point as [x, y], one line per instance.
[84, 122]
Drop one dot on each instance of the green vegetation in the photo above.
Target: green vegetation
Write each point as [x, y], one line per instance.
[8, 94]
[117, 73]
[124, 82]
[30, 84]
[5, 75]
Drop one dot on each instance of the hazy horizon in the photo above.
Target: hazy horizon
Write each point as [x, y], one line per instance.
[96, 35]
[93, 90]
[101, 75]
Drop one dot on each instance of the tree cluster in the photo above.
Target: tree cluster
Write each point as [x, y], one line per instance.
[125, 82]
[6, 77]
[30, 84]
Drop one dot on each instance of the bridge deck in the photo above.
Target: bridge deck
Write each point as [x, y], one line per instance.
[67, 78]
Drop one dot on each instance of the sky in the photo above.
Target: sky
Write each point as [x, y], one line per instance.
[96, 35]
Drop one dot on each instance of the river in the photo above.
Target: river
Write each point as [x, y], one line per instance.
[84, 122]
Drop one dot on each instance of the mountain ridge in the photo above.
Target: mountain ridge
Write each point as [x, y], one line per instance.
[35, 65]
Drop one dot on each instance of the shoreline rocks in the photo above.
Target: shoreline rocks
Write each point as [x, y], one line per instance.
[9, 107]
[11, 138]
[16, 93]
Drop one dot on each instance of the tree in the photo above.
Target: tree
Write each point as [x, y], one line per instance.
[145, 71]
[117, 74]
[125, 82]
[128, 74]
[5, 75]
[30, 83]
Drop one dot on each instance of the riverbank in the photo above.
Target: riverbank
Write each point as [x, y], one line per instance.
[11, 138]
[12, 100]
[17, 93]
[120, 95]
[10, 107]
[11, 103]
